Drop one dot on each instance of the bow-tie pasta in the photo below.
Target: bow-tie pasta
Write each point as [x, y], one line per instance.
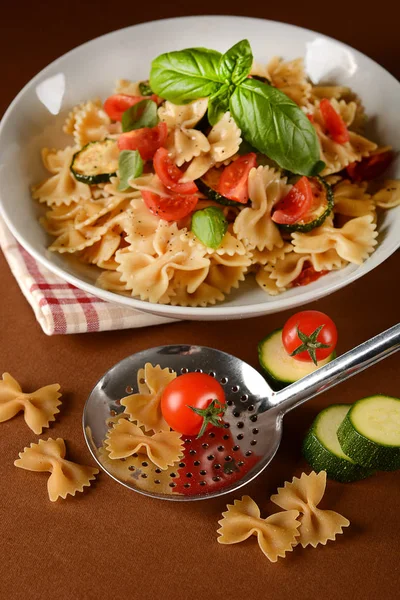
[66, 477]
[39, 407]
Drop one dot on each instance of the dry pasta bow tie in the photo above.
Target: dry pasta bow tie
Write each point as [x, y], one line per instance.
[276, 534]
[66, 477]
[39, 407]
[126, 438]
[304, 494]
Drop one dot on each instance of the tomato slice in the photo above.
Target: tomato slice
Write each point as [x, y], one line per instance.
[170, 208]
[116, 105]
[147, 140]
[334, 123]
[295, 204]
[233, 183]
[170, 175]
[370, 167]
[308, 275]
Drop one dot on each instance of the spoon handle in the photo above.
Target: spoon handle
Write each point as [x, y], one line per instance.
[343, 367]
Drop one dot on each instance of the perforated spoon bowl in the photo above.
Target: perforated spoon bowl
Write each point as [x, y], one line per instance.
[227, 459]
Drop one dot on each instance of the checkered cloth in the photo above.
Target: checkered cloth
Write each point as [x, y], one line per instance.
[59, 306]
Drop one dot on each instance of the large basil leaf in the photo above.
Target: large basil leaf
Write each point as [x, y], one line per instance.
[142, 114]
[236, 63]
[276, 126]
[209, 226]
[218, 104]
[130, 166]
[186, 75]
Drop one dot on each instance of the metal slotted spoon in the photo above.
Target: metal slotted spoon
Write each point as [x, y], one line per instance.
[227, 458]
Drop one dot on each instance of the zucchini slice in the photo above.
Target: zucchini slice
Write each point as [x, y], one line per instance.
[370, 433]
[208, 185]
[280, 368]
[322, 450]
[322, 207]
[96, 162]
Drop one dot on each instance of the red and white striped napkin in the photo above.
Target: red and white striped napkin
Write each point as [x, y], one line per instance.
[59, 306]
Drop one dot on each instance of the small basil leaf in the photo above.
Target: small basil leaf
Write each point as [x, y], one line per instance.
[186, 75]
[218, 104]
[130, 166]
[318, 167]
[209, 226]
[142, 114]
[276, 126]
[145, 89]
[236, 63]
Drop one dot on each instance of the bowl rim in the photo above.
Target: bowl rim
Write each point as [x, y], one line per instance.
[212, 311]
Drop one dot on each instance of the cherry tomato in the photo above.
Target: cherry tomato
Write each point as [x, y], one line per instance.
[233, 183]
[170, 175]
[295, 205]
[116, 105]
[319, 335]
[147, 140]
[334, 123]
[170, 208]
[208, 469]
[199, 391]
[308, 275]
[370, 167]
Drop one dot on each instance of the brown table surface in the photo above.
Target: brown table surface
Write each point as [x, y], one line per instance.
[110, 542]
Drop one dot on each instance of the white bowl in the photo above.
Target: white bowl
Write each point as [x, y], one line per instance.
[34, 119]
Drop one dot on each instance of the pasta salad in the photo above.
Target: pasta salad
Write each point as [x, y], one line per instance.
[218, 166]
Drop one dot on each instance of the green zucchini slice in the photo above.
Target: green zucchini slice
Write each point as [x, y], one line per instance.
[280, 368]
[96, 162]
[208, 185]
[370, 433]
[322, 208]
[322, 450]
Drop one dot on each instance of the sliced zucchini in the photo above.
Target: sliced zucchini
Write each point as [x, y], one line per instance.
[208, 185]
[323, 206]
[280, 368]
[96, 162]
[322, 450]
[370, 433]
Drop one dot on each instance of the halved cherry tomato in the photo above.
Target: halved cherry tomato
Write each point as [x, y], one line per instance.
[334, 123]
[170, 208]
[319, 335]
[147, 140]
[295, 204]
[370, 167]
[170, 175]
[116, 105]
[233, 183]
[308, 275]
[192, 403]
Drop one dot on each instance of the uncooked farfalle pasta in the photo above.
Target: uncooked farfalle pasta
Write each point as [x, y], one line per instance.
[177, 197]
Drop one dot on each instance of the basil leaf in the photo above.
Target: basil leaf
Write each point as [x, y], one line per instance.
[276, 126]
[186, 75]
[236, 63]
[130, 166]
[218, 104]
[245, 148]
[145, 89]
[142, 114]
[209, 226]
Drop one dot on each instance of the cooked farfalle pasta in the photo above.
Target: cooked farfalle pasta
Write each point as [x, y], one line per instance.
[254, 225]
[144, 407]
[141, 237]
[389, 195]
[276, 534]
[66, 477]
[163, 449]
[304, 494]
[39, 407]
[353, 242]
